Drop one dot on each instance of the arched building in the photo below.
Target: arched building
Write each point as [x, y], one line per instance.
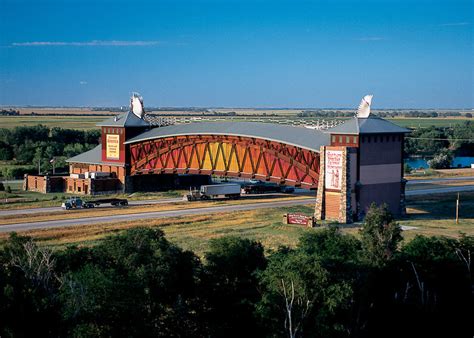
[351, 165]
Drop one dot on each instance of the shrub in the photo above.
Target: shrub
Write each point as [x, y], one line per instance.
[441, 161]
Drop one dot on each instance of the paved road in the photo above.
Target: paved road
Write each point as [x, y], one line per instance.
[56, 209]
[441, 180]
[440, 190]
[152, 215]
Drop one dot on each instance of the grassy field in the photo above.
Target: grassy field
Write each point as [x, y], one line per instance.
[89, 122]
[429, 215]
[427, 122]
[71, 122]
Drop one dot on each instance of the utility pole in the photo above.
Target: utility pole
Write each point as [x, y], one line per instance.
[39, 166]
[457, 210]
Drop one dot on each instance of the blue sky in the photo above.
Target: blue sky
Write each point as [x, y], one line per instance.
[409, 54]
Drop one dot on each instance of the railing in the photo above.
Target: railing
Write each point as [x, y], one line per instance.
[316, 124]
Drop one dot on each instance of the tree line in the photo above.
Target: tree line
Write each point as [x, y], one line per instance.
[138, 284]
[391, 113]
[30, 145]
[442, 143]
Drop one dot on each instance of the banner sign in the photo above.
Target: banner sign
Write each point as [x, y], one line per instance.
[333, 174]
[298, 219]
[113, 147]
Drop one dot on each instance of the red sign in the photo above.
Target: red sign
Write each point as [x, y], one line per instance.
[298, 219]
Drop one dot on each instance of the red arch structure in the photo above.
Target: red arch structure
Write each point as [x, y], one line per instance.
[226, 155]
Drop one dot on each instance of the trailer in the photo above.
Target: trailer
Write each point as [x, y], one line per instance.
[261, 188]
[78, 203]
[207, 192]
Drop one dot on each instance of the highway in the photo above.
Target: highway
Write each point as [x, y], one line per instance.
[443, 190]
[441, 180]
[56, 209]
[177, 213]
[154, 215]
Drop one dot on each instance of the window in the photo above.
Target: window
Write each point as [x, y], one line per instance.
[354, 140]
[340, 139]
[78, 189]
[333, 138]
[348, 139]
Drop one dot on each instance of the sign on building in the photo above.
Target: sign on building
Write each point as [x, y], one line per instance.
[333, 163]
[113, 147]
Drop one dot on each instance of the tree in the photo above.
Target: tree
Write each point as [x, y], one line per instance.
[9, 189]
[133, 284]
[442, 160]
[299, 298]
[231, 285]
[2, 187]
[380, 235]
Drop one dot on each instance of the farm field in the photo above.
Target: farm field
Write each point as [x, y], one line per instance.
[71, 122]
[429, 215]
[89, 122]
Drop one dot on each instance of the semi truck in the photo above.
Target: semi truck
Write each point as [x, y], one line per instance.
[78, 203]
[206, 192]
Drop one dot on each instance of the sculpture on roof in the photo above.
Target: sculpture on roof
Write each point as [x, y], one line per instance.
[136, 105]
[364, 107]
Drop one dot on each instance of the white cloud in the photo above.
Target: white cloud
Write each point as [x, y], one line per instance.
[455, 24]
[370, 38]
[82, 83]
[93, 43]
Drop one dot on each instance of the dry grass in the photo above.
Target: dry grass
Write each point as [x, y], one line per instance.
[189, 232]
[441, 173]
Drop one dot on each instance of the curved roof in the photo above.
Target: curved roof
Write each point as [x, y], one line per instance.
[297, 136]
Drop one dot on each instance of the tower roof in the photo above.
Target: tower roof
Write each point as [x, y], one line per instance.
[368, 125]
[124, 120]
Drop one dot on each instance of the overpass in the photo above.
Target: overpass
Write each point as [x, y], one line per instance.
[350, 165]
[269, 152]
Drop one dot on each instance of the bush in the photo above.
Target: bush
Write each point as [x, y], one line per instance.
[380, 235]
[441, 161]
[2, 187]
[9, 189]
[407, 169]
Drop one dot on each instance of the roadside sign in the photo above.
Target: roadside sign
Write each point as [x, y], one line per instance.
[299, 219]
